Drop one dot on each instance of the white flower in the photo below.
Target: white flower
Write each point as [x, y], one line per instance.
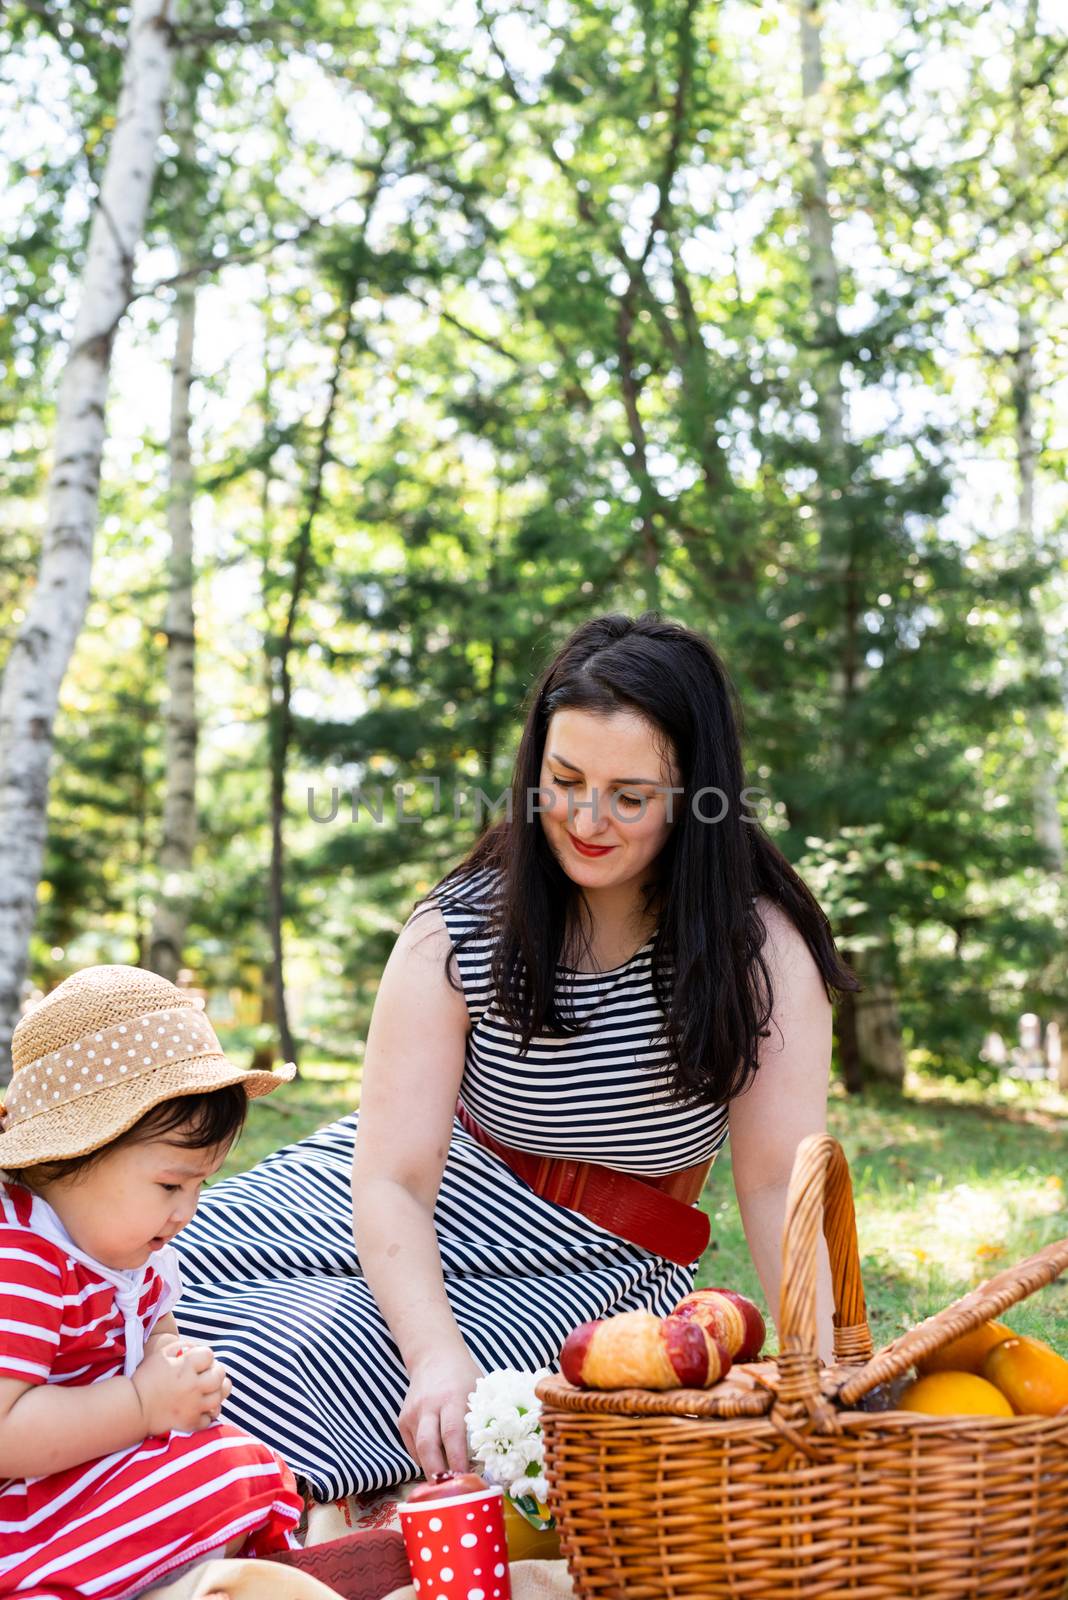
[504, 1430]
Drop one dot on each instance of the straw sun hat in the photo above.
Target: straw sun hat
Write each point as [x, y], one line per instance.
[98, 1052]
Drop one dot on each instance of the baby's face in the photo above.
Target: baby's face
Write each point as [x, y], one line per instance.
[134, 1199]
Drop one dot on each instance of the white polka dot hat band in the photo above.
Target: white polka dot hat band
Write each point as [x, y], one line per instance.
[124, 1051]
[98, 1052]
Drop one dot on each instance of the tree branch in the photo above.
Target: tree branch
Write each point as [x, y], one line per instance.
[680, 116]
[255, 252]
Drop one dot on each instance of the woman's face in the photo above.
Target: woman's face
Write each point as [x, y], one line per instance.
[604, 784]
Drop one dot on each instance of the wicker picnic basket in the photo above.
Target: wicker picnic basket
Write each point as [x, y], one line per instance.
[773, 1486]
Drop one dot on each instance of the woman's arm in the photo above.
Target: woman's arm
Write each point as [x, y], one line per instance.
[786, 1101]
[412, 1069]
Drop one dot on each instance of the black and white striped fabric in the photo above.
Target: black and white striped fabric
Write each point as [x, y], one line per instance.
[271, 1276]
[599, 1095]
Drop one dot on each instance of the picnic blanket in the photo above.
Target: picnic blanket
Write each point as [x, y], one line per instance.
[531, 1580]
[243, 1580]
[267, 1580]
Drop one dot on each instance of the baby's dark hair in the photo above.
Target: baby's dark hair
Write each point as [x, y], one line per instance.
[198, 1121]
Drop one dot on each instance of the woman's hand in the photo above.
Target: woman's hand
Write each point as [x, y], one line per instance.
[432, 1417]
[180, 1389]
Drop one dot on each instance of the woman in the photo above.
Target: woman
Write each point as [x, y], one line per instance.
[617, 975]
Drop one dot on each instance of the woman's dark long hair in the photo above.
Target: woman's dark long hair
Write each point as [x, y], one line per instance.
[710, 976]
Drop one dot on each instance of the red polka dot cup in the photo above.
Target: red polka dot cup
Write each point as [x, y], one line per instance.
[453, 1531]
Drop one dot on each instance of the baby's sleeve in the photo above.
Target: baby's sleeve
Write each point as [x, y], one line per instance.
[31, 1306]
[167, 1286]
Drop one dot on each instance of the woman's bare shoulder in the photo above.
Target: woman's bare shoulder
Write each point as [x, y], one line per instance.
[458, 909]
[416, 999]
[786, 951]
[425, 935]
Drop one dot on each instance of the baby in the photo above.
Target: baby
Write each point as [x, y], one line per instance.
[116, 1471]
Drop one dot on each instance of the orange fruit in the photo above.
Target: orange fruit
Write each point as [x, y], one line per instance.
[1031, 1376]
[952, 1394]
[967, 1353]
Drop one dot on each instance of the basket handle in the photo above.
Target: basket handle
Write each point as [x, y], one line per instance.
[984, 1303]
[820, 1196]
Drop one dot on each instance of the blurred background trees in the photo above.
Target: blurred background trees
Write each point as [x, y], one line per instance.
[505, 315]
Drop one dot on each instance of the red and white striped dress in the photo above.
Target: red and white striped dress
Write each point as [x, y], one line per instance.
[119, 1524]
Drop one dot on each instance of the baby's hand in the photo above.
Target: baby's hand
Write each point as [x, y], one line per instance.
[180, 1388]
[162, 1341]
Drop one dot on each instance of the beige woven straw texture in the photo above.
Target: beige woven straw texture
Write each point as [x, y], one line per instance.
[60, 1107]
[88, 1001]
[692, 1494]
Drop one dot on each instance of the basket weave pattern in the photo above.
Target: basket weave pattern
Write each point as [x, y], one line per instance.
[691, 1494]
[105, 1047]
[101, 997]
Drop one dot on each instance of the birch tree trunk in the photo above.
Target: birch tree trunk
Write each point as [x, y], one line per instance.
[181, 729]
[42, 648]
[868, 1036]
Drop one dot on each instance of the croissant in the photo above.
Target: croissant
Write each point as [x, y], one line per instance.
[637, 1350]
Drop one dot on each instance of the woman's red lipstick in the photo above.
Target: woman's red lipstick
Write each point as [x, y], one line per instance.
[590, 849]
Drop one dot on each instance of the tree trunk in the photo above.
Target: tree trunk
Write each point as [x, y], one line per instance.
[869, 1025]
[849, 1061]
[822, 265]
[142, 802]
[45, 640]
[1042, 742]
[280, 710]
[180, 741]
[880, 1050]
[1056, 1056]
[837, 553]
[496, 581]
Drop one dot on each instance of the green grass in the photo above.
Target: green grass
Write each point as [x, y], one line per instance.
[325, 1091]
[952, 1182]
[949, 1189]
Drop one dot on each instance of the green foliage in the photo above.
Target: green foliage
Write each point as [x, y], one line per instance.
[586, 371]
[947, 1190]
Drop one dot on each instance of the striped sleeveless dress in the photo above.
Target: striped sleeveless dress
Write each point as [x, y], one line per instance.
[270, 1275]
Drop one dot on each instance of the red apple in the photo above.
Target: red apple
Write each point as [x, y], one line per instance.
[444, 1485]
[728, 1317]
[755, 1329]
[698, 1362]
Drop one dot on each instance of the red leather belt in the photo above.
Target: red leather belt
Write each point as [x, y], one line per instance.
[657, 1213]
